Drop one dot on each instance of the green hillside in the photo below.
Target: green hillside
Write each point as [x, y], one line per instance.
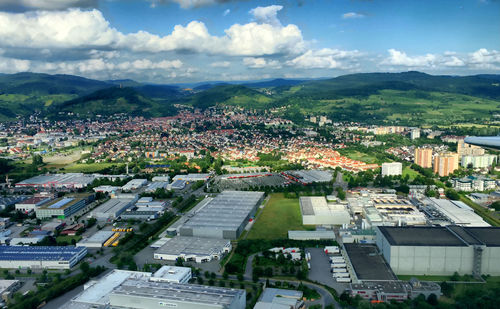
[229, 95]
[111, 101]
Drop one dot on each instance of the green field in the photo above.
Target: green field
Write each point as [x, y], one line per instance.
[359, 156]
[412, 173]
[87, 168]
[67, 238]
[278, 217]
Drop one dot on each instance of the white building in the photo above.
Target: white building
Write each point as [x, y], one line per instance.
[392, 169]
[415, 133]
[95, 241]
[134, 184]
[316, 211]
[114, 207]
[193, 249]
[172, 274]
[441, 250]
[478, 161]
[41, 257]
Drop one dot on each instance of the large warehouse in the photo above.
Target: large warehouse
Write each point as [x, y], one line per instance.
[225, 216]
[114, 207]
[134, 289]
[316, 211]
[193, 249]
[58, 181]
[64, 207]
[148, 295]
[37, 257]
[441, 250]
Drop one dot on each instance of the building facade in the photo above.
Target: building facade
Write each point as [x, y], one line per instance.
[392, 169]
[423, 157]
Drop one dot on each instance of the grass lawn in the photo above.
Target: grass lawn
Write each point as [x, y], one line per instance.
[278, 217]
[67, 238]
[412, 173]
[87, 168]
[360, 156]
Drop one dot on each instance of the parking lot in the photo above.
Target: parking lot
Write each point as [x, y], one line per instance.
[320, 270]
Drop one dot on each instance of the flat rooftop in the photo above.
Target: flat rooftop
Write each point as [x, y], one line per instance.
[39, 253]
[193, 246]
[226, 211]
[64, 202]
[490, 236]
[421, 236]
[179, 292]
[113, 205]
[368, 263]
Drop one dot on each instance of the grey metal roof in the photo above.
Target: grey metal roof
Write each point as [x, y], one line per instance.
[179, 292]
[226, 211]
[180, 245]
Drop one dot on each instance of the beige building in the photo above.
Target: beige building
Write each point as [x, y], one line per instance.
[445, 163]
[423, 157]
[464, 149]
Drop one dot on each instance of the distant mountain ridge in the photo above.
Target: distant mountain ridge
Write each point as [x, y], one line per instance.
[407, 97]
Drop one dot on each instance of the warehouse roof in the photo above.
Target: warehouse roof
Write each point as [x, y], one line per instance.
[368, 263]
[180, 292]
[44, 253]
[193, 246]
[451, 235]
[420, 236]
[65, 202]
[226, 211]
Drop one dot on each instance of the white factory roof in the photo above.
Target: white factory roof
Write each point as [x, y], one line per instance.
[184, 245]
[226, 211]
[317, 206]
[98, 238]
[191, 177]
[97, 292]
[322, 234]
[170, 273]
[458, 212]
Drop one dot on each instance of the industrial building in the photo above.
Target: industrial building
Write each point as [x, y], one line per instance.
[38, 257]
[152, 187]
[392, 169]
[148, 295]
[192, 177]
[32, 203]
[272, 298]
[178, 184]
[309, 176]
[139, 215]
[114, 207]
[134, 289]
[225, 216]
[193, 249]
[58, 181]
[172, 274]
[311, 235]
[107, 189]
[64, 207]
[441, 250]
[134, 184]
[386, 291]
[445, 212]
[96, 240]
[316, 211]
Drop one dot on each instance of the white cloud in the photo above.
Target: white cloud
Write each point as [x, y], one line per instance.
[26, 5]
[188, 4]
[220, 64]
[267, 14]
[326, 58]
[226, 12]
[485, 59]
[400, 58]
[453, 61]
[352, 15]
[260, 63]
[79, 29]
[8, 65]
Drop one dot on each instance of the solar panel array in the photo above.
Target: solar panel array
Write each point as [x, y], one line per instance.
[61, 203]
[43, 253]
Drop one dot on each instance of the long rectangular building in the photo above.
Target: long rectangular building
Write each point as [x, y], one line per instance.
[193, 249]
[141, 294]
[113, 208]
[225, 216]
[58, 181]
[316, 211]
[64, 207]
[41, 257]
[441, 250]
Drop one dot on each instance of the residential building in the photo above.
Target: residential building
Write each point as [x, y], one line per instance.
[445, 163]
[392, 169]
[423, 157]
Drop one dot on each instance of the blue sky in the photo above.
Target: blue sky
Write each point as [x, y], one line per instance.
[168, 41]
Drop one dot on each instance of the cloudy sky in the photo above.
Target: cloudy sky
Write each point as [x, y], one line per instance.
[168, 41]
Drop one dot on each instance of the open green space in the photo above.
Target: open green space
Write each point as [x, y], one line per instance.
[410, 172]
[278, 217]
[68, 239]
[359, 156]
[87, 168]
